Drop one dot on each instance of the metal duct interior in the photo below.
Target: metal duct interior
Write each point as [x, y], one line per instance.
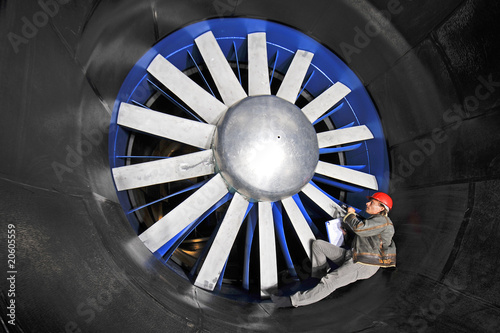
[432, 71]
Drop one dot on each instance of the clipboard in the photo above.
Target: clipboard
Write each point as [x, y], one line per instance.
[334, 231]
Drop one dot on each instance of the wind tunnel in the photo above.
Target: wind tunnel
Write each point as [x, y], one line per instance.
[423, 78]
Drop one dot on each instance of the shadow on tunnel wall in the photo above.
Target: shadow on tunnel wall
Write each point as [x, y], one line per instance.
[432, 70]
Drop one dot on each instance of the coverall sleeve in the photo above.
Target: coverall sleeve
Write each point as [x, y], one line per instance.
[366, 228]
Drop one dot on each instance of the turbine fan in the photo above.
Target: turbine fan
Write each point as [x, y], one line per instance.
[257, 151]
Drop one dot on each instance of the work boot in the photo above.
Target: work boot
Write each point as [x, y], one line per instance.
[282, 301]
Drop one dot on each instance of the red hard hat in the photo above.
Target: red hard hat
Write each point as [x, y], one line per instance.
[383, 198]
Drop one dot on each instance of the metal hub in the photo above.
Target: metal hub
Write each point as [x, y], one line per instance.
[266, 148]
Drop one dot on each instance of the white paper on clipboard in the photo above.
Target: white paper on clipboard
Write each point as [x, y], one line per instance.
[335, 234]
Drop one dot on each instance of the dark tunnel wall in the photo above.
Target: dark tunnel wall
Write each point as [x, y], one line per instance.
[432, 70]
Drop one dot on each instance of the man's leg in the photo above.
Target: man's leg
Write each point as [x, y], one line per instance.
[348, 273]
[322, 250]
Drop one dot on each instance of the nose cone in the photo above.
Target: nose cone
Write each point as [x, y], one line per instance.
[265, 148]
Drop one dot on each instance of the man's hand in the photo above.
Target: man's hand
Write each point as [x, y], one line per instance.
[351, 210]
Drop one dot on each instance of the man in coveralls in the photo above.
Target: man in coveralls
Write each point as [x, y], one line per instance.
[372, 248]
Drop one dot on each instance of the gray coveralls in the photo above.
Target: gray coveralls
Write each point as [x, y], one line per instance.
[372, 248]
[347, 273]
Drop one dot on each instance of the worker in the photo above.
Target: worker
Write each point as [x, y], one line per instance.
[372, 248]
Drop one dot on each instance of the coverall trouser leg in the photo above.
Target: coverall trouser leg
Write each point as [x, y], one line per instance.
[320, 251]
[348, 273]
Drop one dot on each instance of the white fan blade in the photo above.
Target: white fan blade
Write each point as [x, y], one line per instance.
[344, 135]
[179, 129]
[164, 170]
[322, 200]
[300, 225]
[290, 87]
[228, 85]
[267, 250]
[185, 213]
[328, 98]
[347, 175]
[202, 102]
[258, 69]
[219, 251]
